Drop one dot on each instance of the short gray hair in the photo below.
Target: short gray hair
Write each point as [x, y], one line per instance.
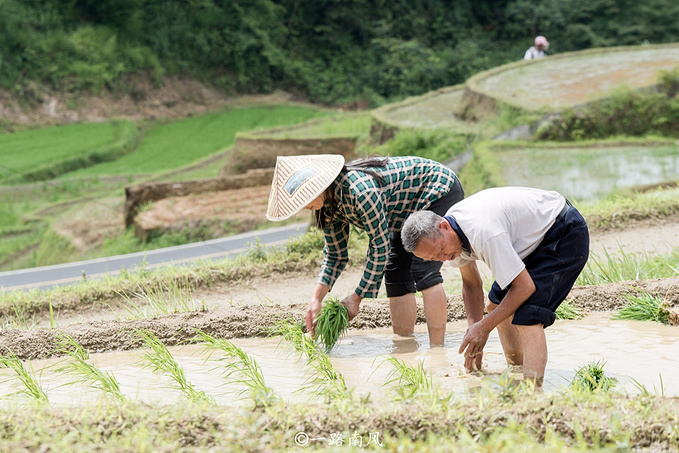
[420, 225]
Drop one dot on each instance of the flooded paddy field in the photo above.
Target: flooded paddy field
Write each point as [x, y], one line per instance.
[589, 173]
[570, 79]
[636, 353]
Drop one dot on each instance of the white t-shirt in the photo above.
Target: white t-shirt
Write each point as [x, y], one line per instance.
[533, 53]
[505, 225]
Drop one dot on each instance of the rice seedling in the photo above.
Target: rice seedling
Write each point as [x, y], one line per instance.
[31, 384]
[625, 266]
[53, 321]
[644, 307]
[162, 299]
[86, 373]
[160, 359]
[243, 365]
[591, 378]
[20, 319]
[657, 390]
[409, 380]
[324, 379]
[568, 310]
[333, 321]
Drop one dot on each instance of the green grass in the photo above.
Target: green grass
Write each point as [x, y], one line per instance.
[565, 422]
[179, 143]
[26, 211]
[618, 209]
[161, 299]
[643, 307]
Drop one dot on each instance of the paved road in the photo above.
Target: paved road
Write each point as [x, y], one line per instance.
[63, 274]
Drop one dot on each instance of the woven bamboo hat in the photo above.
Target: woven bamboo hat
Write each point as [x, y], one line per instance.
[298, 180]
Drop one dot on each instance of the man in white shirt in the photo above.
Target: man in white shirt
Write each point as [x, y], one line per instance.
[535, 244]
[537, 50]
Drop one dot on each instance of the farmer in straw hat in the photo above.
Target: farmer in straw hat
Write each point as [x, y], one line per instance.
[535, 244]
[376, 195]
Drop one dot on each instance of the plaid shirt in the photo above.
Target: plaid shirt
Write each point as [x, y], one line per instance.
[411, 184]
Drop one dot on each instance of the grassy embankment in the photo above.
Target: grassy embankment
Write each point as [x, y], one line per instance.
[188, 149]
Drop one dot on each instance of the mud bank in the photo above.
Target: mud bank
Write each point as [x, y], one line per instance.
[241, 321]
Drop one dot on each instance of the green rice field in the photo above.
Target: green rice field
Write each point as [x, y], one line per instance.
[176, 144]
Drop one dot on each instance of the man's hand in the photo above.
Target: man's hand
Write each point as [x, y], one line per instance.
[472, 346]
[352, 303]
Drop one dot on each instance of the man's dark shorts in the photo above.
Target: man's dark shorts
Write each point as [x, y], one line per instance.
[405, 273]
[554, 266]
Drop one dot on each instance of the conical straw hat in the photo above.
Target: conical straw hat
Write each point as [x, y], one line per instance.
[298, 180]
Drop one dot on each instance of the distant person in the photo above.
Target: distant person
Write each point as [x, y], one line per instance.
[535, 244]
[376, 195]
[538, 49]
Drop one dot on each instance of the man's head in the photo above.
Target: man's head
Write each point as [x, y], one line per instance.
[541, 43]
[429, 236]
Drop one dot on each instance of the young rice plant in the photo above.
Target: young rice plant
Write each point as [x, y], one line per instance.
[243, 365]
[409, 380]
[160, 359]
[26, 376]
[645, 307]
[333, 321]
[86, 373]
[324, 378]
[591, 378]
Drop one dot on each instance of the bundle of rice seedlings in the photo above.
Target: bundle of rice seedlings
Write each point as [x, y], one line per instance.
[333, 321]
[591, 378]
[645, 307]
[568, 310]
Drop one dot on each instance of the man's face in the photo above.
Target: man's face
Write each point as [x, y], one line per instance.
[447, 246]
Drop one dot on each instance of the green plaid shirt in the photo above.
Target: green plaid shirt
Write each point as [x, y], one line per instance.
[411, 184]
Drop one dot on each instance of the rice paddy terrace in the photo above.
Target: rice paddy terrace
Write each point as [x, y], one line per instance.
[545, 85]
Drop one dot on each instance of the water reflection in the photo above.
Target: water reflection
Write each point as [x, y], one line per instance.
[589, 173]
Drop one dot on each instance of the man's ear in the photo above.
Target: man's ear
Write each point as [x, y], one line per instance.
[444, 225]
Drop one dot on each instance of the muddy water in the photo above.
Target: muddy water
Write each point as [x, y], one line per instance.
[632, 351]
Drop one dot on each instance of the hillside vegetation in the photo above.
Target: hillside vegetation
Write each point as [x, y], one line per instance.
[357, 53]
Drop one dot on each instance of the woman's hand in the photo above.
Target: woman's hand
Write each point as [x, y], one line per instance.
[314, 307]
[352, 303]
[311, 317]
